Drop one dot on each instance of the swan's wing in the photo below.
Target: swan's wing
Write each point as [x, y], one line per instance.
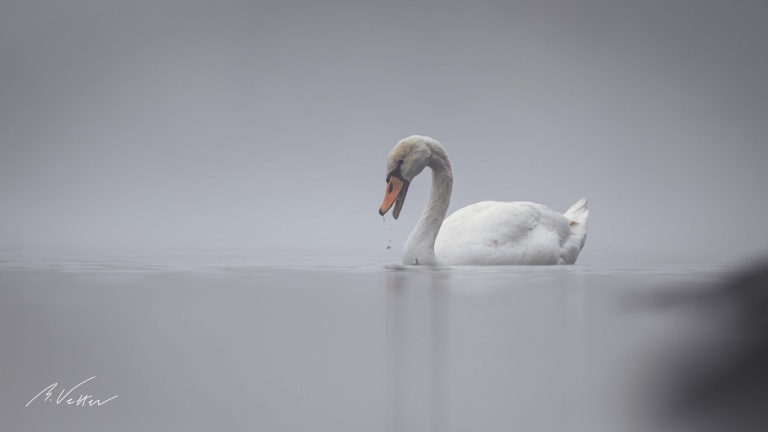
[491, 232]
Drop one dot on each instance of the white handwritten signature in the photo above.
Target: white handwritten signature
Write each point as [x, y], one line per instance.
[84, 399]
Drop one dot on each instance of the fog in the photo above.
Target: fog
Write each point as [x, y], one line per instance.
[151, 125]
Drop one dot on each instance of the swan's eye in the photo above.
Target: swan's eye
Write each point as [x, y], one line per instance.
[400, 162]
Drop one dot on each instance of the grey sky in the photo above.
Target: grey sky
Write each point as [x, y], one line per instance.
[166, 124]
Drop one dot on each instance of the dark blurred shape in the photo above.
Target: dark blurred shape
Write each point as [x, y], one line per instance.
[722, 382]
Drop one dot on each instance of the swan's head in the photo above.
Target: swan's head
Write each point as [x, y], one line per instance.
[409, 157]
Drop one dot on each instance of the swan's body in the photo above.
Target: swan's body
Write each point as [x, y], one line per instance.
[491, 232]
[484, 233]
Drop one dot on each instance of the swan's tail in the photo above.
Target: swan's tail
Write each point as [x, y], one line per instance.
[578, 214]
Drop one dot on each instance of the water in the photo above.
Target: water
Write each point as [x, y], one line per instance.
[205, 342]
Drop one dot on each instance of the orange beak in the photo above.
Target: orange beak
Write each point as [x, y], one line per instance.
[394, 194]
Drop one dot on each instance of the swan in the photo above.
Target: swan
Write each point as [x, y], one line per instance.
[484, 233]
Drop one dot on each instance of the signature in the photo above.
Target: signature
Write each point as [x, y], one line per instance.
[82, 400]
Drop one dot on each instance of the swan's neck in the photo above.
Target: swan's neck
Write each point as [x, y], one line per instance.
[420, 246]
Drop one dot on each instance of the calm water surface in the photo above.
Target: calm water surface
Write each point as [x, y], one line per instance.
[208, 342]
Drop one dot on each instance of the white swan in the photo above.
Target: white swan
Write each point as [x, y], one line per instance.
[483, 233]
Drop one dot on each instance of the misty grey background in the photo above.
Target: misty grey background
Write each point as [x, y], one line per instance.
[265, 125]
[234, 129]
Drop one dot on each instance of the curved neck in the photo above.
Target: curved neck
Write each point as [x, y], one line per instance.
[420, 246]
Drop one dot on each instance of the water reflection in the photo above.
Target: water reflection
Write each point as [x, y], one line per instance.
[338, 348]
[418, 359]
[395, 349]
